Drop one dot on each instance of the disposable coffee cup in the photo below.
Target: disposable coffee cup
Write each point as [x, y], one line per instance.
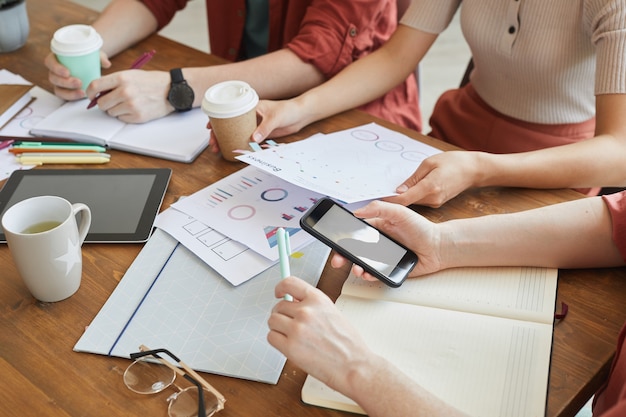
[78, 48]
[231, 107]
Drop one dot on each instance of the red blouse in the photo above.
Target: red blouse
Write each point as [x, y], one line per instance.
[329, 34]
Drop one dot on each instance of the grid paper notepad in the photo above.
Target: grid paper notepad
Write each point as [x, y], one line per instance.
[171, 299]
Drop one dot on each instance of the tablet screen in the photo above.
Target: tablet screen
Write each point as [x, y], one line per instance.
[123, 202]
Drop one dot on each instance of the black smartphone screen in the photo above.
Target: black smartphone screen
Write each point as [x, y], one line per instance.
[360, 242]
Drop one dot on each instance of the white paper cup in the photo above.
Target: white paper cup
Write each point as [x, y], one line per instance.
[45, 241]
[78, 48]
[231, 107]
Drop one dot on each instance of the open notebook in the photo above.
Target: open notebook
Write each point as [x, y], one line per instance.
[178, 136]
[479, 338]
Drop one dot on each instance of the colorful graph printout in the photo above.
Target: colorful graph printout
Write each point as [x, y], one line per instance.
[363, 163]
[249, 206]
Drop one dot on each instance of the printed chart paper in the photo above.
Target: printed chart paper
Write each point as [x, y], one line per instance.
[362, 163]
[249, 206]
[234, 261]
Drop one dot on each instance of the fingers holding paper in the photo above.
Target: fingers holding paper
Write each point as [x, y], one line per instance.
[436, 180]
[133, 96]
[439, 178]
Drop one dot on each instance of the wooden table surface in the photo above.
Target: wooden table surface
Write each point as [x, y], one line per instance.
[41, 375]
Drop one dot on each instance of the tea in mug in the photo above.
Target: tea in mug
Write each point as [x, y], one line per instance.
[41, 227]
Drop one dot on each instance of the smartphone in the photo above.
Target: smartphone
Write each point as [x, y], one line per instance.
[358, 241]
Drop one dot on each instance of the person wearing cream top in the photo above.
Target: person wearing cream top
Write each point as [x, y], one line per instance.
[544, 107]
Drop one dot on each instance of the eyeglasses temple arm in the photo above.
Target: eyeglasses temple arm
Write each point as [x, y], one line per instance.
[191, 372]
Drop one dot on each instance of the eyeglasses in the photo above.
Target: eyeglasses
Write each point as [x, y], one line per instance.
[147, 376]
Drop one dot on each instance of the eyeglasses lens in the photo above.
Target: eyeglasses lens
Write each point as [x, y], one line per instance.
[185, 403]
[145, 377]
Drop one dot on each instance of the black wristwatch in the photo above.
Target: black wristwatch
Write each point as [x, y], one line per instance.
[181, 94]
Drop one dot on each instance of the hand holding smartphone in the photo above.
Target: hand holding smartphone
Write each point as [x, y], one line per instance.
[358, 241]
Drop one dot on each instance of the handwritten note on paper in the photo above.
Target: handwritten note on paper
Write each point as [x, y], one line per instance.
[362, 163]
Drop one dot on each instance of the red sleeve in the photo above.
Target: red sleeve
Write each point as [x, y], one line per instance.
[618, 410]
[610, 400]
[164, 10]
[335, 33]
[617, 207]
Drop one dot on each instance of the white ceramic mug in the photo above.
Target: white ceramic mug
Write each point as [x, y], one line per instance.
[45, 240]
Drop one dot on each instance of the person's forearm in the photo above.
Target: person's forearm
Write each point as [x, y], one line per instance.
[369, 77]
[277, 75]
[548, 236]
[396, 394]
[123, 23]
[596, 162]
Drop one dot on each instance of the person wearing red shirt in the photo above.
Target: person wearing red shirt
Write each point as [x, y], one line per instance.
[280, 47]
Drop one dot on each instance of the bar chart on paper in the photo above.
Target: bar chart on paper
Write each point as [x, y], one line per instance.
[249, 207]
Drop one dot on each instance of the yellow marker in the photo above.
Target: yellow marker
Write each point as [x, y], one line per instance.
[63, 158]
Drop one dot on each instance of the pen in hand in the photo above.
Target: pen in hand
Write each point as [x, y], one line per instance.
[139, 62]
[284, 250]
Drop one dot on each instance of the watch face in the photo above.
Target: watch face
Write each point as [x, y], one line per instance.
[181, 96]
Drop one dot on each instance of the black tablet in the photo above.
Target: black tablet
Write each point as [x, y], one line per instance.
[123, 202]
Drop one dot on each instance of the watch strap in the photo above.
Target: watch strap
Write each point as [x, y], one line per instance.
[176, 75]
[180, 95]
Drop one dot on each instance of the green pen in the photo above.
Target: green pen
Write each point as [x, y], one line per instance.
[284, 250]
[19, 147]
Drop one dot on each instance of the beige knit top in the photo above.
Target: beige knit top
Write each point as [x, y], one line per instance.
[540, 61]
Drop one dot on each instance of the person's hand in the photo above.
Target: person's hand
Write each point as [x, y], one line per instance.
[135, 96]
[407, 227]
[439, 178]
[213, 145]
[274, 118]
[278, 118]
[65, 86]
[311, 332]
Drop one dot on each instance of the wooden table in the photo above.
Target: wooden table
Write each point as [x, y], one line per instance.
[41, 375]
